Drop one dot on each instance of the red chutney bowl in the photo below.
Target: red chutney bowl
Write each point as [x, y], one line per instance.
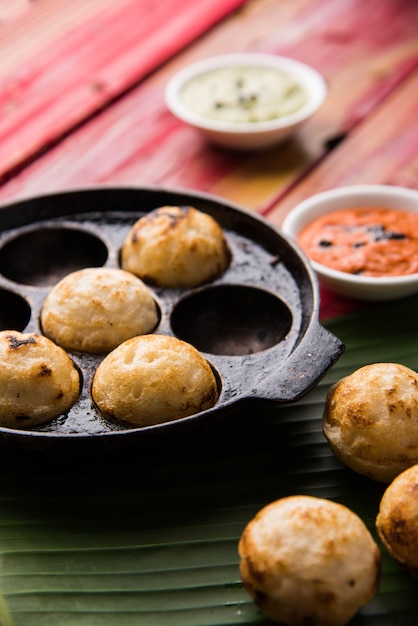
[375, 240]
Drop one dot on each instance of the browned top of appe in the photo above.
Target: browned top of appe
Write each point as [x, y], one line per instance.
[177, 247]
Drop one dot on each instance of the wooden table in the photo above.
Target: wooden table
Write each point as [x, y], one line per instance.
[82, 97]
[81, 104]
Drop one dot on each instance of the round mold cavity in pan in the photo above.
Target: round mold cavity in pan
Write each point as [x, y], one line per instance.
[232, 320]
[41, 256]
[267, 270]
[15, 311]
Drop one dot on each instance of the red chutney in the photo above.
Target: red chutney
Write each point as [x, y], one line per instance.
[369, 241]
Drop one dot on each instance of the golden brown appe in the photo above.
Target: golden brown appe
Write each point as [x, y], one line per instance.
[153, 379]
[96, 309]
[176, 246]
[371, 420]
[38, 380]
[397, 520]
[307, 560]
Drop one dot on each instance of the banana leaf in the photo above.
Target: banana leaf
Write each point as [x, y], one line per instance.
[152, 541]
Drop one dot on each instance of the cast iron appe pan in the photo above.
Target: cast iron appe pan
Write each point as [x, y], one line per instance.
[257, 324]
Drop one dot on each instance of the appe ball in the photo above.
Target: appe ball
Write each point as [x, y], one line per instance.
[96, 309]
[38, 380]
[307, 560]
[371, 420]
[153, 379]
[176, 247]
[397, 520]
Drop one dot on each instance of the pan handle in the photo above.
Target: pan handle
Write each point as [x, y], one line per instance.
[303, 369]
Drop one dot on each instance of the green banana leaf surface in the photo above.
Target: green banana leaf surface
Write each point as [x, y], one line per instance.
[153, 541]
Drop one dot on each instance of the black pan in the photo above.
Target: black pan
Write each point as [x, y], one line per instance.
[257, 324]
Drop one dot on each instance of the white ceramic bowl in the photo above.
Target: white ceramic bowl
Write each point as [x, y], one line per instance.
[247, 135]
[355, 286]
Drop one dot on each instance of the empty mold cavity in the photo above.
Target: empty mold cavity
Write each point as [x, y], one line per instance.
[15, 311]
[42, 257]
[231, 320]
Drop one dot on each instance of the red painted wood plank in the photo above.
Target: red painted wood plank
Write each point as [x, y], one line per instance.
[11, 10]
[383, 150]
[85, 64]
[138, 141]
